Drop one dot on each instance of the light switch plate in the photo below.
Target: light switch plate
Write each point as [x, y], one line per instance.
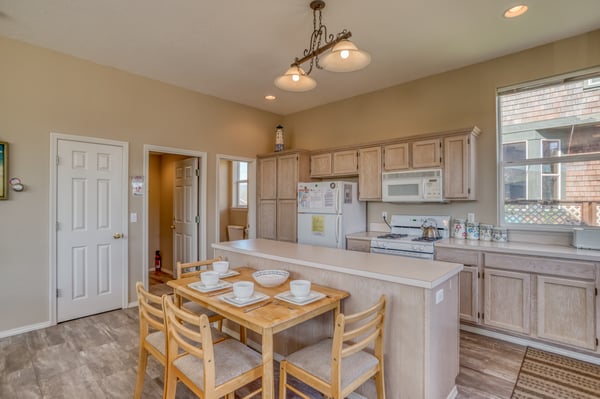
[133, 217]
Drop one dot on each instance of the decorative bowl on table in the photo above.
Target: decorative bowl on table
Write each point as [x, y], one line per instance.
[270, 278]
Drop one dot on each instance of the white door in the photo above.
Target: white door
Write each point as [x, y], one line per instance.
[320, 229]
[185, 211]
[89, 229]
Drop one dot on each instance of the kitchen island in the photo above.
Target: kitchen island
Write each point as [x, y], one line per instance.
[421, 327]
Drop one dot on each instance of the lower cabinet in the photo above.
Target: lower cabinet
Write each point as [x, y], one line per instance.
[287, 220]
[507, 300]
[353, 244]
[566, 311]
[267, 219]
[469, 294]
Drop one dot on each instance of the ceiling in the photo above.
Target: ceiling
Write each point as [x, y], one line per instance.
[234, 49]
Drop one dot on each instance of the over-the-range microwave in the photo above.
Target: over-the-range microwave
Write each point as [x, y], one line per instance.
[423, 185]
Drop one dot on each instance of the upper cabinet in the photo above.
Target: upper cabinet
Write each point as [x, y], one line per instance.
[369, 174]
[332, 164]
[395, 157]
[427, 153]
[460, 170]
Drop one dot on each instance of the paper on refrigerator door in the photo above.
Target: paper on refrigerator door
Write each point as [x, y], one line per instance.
[318, 224]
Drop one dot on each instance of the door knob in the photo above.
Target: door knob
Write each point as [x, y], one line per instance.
[116, 236]
[172, 227]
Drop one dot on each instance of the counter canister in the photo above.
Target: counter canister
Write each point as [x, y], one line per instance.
[472, 230]
[486, 232]
[459, 229]
[500, 234]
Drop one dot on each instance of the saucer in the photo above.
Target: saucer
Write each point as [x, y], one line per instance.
[310, 298]
[232, 300]
[199, 286]
[229, 273]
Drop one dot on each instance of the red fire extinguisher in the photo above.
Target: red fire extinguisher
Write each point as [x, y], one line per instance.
[157, 261]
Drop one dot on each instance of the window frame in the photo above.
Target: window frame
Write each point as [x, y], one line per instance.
[235, 184]
[591, 80]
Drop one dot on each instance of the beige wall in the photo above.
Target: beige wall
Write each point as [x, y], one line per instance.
[456, 99]
[42, 91]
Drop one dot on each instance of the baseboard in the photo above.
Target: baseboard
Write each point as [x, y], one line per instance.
[24, 329]
[534, 344]
[453, 393]
[133, 304]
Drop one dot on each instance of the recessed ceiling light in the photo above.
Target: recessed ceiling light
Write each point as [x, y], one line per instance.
[515, 11]
[270, 97]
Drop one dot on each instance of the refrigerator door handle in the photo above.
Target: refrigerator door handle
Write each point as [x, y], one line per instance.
[337, 228]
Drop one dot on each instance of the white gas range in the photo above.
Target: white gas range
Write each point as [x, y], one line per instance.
[406, 236]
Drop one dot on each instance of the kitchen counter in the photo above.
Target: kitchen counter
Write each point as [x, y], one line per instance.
[522, 248]
[409, 271]
[365, 235]
[421, 324]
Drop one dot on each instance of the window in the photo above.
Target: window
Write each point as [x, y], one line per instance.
[549, 166]
[239, 185]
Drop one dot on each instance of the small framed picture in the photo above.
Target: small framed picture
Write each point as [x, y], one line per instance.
[3, 170]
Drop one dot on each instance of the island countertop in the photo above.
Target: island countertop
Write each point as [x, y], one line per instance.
[413, 272]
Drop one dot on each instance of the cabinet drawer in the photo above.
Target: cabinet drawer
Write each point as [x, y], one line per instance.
[358, 245]
[539, 265]
[457, 256]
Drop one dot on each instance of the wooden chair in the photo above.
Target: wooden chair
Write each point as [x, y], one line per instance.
[183, 271]
[336, 367]
[210, 371]
[153, 337]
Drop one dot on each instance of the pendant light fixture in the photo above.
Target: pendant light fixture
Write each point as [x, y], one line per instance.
[343, 57]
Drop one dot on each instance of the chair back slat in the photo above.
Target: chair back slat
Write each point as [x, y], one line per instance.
[362, 329]
[182, 267]
[150, 308]
[360, 345]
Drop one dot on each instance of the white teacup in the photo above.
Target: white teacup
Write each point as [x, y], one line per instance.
[210, 278]
[300, 288]
[243, 289]
[221, 266]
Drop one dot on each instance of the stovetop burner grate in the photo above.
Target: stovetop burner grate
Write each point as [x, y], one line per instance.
[392, 235]
[428, 239]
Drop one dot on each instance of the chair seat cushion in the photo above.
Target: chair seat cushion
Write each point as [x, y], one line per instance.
[231, 360]
[195, 307]
[316, 360]
[157, 340]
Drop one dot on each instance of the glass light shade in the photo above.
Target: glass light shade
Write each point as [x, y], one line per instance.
[345, 57]
[295, 79]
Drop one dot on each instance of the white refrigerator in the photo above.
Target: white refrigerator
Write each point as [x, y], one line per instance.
[328, 211]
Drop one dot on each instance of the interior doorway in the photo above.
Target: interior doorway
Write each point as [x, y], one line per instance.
[236, 198]
[171, 207]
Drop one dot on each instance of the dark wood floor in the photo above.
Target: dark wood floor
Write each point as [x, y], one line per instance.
[96, 357]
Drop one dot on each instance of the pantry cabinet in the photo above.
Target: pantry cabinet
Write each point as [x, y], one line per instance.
[369, 174]
[277, 177]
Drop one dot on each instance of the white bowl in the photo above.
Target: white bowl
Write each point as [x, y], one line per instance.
[221, 266]
[300, 288]
[270, 278]
[243, 289]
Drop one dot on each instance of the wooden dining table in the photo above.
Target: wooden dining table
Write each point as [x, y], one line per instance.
[274, 316]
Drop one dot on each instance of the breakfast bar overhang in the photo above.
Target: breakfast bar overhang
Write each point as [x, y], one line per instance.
[422, 319]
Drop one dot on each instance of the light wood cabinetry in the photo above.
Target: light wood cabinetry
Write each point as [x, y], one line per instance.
[320, 165]
[334, 164]
[395, 157]
[426, 153]
[507, 300]
[278, 177]
[369, 174]
[353, 244]
[469, 280]
[460, 167]
[566, 311]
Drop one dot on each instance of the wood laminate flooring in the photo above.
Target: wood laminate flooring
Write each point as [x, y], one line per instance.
[96, 357]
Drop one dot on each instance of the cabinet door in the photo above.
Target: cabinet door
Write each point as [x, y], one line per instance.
[287, 219]
[345, 163]
[358, 245]
[267, 178]
[267, 219]
[458, 169]
[395, 157]
[426, 153]
[507, 300]
[287, 176]
[566, 312]
[369, 174]
[469, 293]
[320, 165]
